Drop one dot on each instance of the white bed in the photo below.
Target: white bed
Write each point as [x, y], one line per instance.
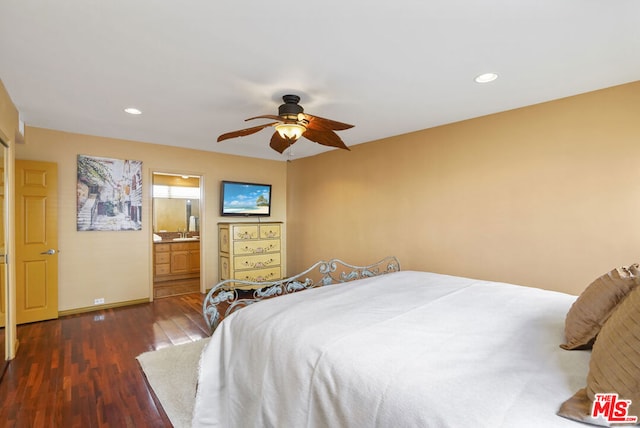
[405, 349]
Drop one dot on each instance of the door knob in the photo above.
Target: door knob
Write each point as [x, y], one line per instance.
[49, 252]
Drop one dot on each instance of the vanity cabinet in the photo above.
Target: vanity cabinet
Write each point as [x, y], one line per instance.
[185, 258]
[162, 260]
[251, 251]
[176, 268]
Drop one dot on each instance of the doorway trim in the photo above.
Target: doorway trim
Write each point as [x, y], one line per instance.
[202, 224]
[10, 331]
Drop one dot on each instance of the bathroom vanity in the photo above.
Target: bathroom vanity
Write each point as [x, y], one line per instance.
[176, 267]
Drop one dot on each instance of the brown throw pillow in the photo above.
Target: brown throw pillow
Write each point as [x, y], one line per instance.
[596, 303]
[614, 365]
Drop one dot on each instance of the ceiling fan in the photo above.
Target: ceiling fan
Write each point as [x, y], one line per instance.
[293, 123]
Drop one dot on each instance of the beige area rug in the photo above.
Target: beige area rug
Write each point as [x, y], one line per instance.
[172, 373]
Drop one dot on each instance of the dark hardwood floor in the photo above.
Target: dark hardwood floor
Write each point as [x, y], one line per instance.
[81, 370]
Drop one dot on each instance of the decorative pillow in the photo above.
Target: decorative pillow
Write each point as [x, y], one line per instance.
[596, 303]
[614, 367]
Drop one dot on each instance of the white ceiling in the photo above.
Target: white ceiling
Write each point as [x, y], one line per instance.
[198, 68]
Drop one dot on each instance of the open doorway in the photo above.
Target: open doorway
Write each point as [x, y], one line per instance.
[176, 234]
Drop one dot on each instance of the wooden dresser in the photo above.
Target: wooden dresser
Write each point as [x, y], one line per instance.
[176, 268]
[251, 251]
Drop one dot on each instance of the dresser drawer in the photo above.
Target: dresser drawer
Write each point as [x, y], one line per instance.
[245, 232]
[256, 262]
[256, 247]
[259, 275]
[269, 231]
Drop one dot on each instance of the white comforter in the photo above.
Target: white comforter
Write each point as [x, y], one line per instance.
[407, 349]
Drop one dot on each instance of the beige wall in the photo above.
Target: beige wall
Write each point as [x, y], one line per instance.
[117, 265]
[8, 114]
[547, 195]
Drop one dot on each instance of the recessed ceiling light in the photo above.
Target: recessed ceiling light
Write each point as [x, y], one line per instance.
[486, 78]
[132, 110]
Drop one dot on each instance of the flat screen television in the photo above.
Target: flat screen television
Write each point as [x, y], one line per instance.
[240, 199]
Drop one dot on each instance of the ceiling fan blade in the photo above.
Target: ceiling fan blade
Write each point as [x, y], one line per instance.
[265, 116]
[244, 132]
[325, 137]
[321, 124]
[280, 144]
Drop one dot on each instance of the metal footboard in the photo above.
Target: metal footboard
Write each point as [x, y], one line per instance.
[226, 297]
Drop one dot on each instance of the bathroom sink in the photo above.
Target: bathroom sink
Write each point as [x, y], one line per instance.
[187, 239]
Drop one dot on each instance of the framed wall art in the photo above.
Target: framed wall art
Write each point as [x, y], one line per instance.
[109, 194]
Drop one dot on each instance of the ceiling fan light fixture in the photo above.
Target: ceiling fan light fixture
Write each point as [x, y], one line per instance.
[291, 123]
[291, 131]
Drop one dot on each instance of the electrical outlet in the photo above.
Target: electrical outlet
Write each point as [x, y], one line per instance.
[99, 301]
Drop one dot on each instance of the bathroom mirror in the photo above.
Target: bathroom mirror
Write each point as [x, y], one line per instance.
[176, 203]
